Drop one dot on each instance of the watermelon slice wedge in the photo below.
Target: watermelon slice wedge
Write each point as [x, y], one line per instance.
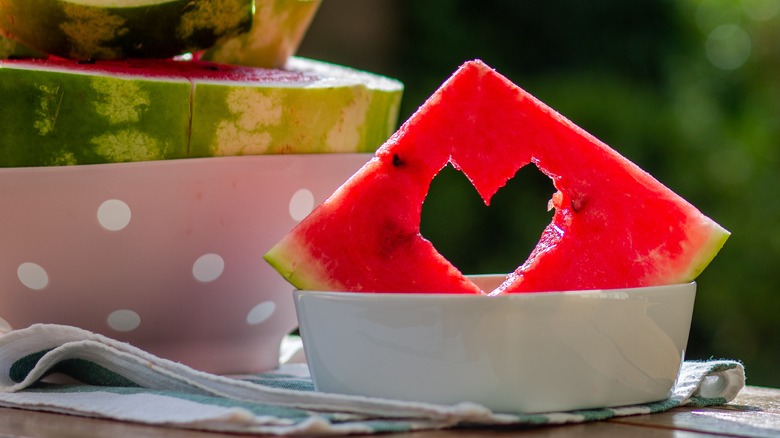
[277, 30]
[63, 112]
[119, 29]
[614, 225]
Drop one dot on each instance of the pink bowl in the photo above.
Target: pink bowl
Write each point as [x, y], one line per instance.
[166, 255]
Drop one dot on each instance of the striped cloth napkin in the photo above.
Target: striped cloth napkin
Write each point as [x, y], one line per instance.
[68, 370]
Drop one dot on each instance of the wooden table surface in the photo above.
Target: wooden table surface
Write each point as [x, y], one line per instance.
[754, 413]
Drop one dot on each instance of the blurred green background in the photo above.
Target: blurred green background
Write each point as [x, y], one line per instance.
[687, 89]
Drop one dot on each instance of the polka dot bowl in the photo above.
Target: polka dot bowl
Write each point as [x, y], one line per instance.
[166, 255]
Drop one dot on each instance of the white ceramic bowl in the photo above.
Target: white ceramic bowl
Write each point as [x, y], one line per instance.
[527, 353]
[166, 255]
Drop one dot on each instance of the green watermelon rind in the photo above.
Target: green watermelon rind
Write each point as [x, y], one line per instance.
[58, 116]
[278, 27]
[289, 253]
[714, 242]
[10, 48]
[347, 110]
[53, 117]
[139, 29]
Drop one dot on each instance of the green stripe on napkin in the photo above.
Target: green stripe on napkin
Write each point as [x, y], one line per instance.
[119, 381]
[79, 369]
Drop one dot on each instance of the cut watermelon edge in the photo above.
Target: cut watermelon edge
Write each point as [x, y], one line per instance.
[284, 257]
[717, 239]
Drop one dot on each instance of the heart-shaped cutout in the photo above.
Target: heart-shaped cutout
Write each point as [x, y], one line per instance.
[486, 239]
[614, 225]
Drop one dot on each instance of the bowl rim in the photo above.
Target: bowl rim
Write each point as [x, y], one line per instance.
[590, 293]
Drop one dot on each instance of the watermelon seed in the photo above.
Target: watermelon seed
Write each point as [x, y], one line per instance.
[577, 204]
[397, 161]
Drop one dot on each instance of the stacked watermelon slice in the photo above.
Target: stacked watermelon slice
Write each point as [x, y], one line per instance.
[85, 82]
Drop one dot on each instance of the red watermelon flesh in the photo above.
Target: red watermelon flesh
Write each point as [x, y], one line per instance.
[614, 225]
[366, 237]
[164, 68]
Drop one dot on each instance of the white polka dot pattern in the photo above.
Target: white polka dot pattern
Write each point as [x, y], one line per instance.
[123, 320]
[32, 275]
[114, 215]
[167, 255]
[301, 204]
[260, 313]
[208, 267]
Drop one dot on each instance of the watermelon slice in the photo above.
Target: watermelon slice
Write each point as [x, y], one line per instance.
[277, 30]
[59, 112]
[614, 225]
[91, 29]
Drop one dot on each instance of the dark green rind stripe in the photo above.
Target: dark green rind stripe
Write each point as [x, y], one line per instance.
[11, 49]
[61, 116]
[57, 118]
[158, 30]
